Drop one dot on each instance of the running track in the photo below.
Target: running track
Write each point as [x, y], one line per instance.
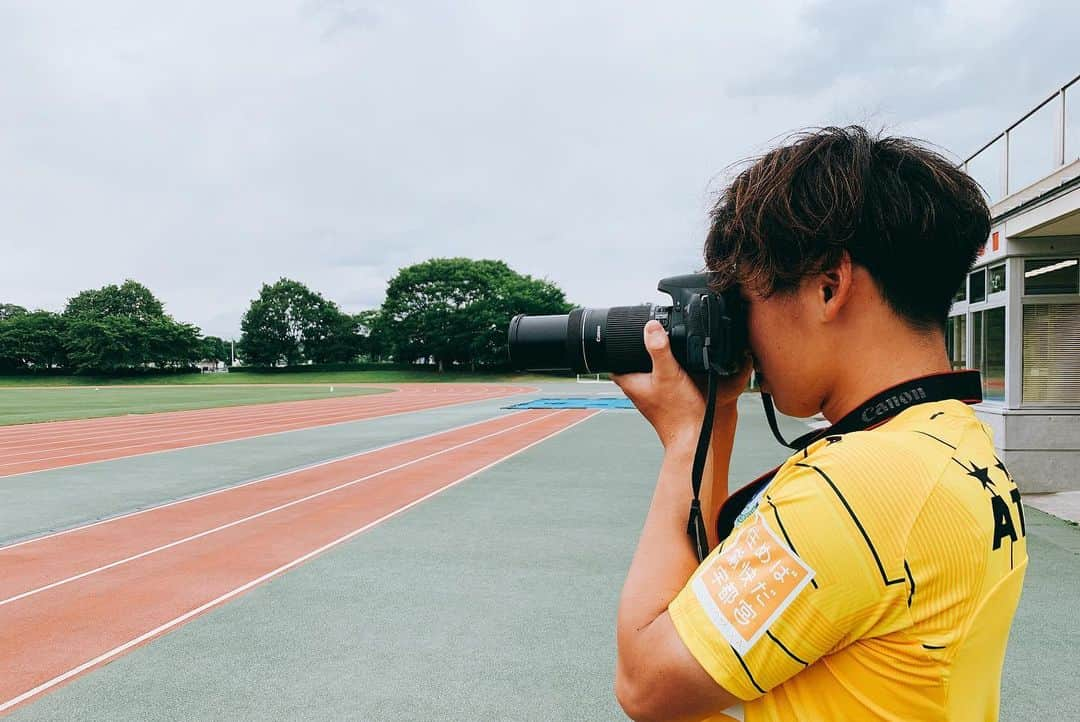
[74, 600]
[35, 447]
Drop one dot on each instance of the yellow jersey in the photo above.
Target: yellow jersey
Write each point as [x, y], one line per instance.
[874, 578]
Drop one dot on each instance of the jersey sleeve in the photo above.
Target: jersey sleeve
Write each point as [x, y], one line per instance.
[797, 579]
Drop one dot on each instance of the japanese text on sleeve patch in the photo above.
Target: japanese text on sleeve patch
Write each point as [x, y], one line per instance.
[746, 587]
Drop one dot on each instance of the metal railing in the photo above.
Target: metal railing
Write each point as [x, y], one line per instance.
[1017, 163]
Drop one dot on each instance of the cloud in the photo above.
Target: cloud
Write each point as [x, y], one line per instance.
[206, 148]
[340, 16]
[955, 71]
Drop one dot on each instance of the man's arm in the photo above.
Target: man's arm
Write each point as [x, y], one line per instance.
[656, 676]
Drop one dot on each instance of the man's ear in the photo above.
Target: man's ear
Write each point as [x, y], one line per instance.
[835, 287]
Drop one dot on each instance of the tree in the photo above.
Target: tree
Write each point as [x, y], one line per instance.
[9, 356]
[212, 348]
[10, 310]
[33, 339]
[129, 300]
[373, 336]
[121, 327]
[290, 323]
[169, 343]
[339, 341]
[458, 309]
[107, 343]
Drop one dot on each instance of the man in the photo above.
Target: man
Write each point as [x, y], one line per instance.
[875, 574]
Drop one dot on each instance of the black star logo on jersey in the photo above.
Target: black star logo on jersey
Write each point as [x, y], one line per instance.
[982, 473]
[1001, 466]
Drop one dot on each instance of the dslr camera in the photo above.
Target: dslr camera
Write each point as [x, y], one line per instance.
[707, 332]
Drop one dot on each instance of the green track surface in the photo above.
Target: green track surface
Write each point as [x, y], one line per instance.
[494, 600]
[27, 405]
[55, 499]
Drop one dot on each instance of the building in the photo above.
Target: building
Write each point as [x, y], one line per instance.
[1017, 319]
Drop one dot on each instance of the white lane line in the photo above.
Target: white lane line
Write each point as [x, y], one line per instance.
[136, 426]
[45, 686]
[261, 411]
[286, 505]
[140, 428]
[222, 490]
[195, 416]
[51, 434]
[241, 427]
[259, 436]
[106, 445]
[199, 415]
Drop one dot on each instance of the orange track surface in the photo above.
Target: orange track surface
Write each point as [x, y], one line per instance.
[35, 447]
[74, 600]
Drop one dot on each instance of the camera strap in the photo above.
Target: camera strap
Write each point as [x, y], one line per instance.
[961, 385]
[695, 527]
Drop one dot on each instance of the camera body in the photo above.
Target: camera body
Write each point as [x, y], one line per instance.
[707, 332]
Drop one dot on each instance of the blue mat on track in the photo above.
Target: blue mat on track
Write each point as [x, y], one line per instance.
[576, 402]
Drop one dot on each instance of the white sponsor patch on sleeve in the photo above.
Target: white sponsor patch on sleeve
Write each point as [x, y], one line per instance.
[746, 587]
[731, 714]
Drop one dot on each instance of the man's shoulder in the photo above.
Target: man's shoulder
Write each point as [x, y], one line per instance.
[882, 477]
[915, 446]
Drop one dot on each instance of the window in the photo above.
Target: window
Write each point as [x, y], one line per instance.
[956, 341]
[1045, 276]
[997, 279]
[1051, 351]
[961, 293]
[988, 350]
[977, 286]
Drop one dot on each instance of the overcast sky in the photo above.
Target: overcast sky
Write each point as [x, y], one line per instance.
[204, 148]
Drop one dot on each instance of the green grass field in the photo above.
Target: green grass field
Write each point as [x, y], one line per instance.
[241, 377]
[27, 405]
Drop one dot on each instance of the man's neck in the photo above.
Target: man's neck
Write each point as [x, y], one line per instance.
[875, 367]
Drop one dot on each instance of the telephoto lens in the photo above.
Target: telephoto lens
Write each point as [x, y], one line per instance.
[707, 332]
[585, 341]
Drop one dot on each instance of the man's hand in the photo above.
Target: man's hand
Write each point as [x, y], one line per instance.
[656, 675]
[672, 401]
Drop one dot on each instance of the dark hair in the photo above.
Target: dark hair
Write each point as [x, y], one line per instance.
[909, 216]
